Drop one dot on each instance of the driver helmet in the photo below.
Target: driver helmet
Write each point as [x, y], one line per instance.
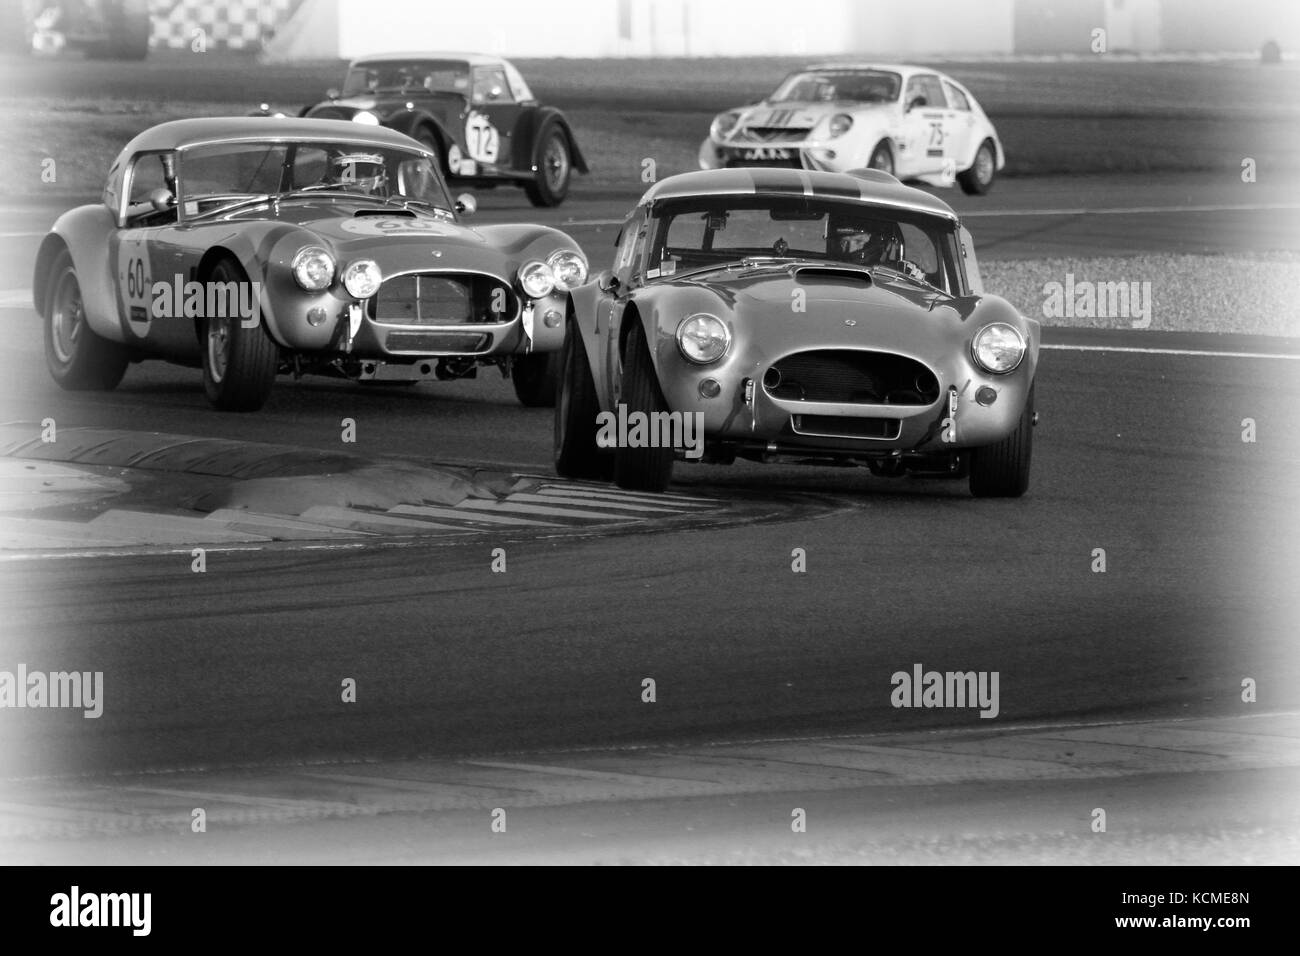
[361, 172]
[870, 243]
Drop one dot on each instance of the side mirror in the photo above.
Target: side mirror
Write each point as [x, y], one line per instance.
[332, 93]
[606, 281]
[161, 199]
[916, 101]
[466, 204]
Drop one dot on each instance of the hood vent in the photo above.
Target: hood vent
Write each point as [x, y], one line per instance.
[387, 213]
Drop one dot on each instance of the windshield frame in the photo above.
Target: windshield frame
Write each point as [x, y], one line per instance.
[441, 202]
[793, 78]
[415, 64]
[940, 230]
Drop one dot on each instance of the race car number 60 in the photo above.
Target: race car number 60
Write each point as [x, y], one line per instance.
[481, 138]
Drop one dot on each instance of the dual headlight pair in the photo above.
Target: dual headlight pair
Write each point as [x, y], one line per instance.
[314, 268]
[703, 338]
[724, 123]
[564, 270]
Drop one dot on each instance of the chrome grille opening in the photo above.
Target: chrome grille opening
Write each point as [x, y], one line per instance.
[851, 377]
[434, 298]
[437, 343]
[836, 426]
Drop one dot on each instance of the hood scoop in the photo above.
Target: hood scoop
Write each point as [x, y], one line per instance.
[832, 273]
[387, 212]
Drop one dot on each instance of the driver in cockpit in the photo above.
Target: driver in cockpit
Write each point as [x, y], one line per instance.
[874, 243]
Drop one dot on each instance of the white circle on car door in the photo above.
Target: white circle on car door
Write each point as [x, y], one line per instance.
[135, 286]
[482, 141]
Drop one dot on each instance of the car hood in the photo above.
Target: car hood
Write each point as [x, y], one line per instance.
[802, 115]
[395, 240]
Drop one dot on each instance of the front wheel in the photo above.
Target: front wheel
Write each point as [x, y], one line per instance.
[576, 407]
[978, 180]
[882, 158]
[240, 358]
[644, 468]
[554, 167]
[1001, 470]
[78, 359]
[535, 378]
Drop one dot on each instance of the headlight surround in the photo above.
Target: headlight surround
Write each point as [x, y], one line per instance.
[313, 268]
[998, 348]
[362, 278]
[568, 268]
[840, 124]
[723, 124]
[536, 279]
[703, 338]
[365, 118]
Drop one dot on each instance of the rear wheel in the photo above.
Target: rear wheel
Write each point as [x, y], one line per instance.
[978, 180]
[554, 167]
[1001, 470]
[239, 361]
[644, 468]
[576, 408]
[78, 359]
[535, 378]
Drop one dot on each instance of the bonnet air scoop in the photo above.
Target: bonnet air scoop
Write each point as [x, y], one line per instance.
[832, 273]
[388, 212]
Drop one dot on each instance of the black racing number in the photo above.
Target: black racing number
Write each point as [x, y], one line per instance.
[936, 135]
[135, 279]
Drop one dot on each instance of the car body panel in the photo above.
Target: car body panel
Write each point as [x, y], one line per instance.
[845, 308]
[931, 143]
[120, 260]
[482, 141]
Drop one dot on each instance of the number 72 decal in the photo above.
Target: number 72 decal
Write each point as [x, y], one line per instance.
[482, 141]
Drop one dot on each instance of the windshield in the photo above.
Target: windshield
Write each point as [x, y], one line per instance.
[217, 177]
[431, 76]
[825, 86]
[709, 233]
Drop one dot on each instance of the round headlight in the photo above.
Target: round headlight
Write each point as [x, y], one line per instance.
[998, 348]
[536, 279]
[841, 123]
[723, 124]
[569, 269]
[365, 117]
[703, 338]
[362, 278]
[313, 268]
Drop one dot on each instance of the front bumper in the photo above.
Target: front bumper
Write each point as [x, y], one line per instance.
[803, 154]
[974, 408]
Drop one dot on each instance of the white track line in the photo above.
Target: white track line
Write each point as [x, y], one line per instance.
[1208, 353]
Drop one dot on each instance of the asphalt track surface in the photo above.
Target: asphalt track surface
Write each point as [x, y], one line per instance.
[1139, 452]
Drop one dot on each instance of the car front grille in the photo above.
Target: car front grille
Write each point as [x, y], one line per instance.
[433, 298]
[437, 343]
[836, 426]
[852, 377]
[777, 134]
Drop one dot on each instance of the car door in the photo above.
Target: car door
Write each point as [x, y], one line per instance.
[134, 252]
[490, 127]
[612, 305]
[926, 122]
[962, 134]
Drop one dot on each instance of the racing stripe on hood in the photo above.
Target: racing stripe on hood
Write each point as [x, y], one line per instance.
[769, 181]
[854, 191]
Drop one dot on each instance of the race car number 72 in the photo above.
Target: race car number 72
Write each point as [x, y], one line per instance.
[482, 141]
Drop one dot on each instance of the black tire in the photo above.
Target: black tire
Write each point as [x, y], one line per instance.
[554, 168]
[642, 469]
[576, 408]
[536, 378]
[429, 140]
[979, 178]
[882, 158]
[239, 363]
[1001, 470]
[78, 359]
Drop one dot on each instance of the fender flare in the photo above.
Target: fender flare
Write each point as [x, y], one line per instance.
[527, 148]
